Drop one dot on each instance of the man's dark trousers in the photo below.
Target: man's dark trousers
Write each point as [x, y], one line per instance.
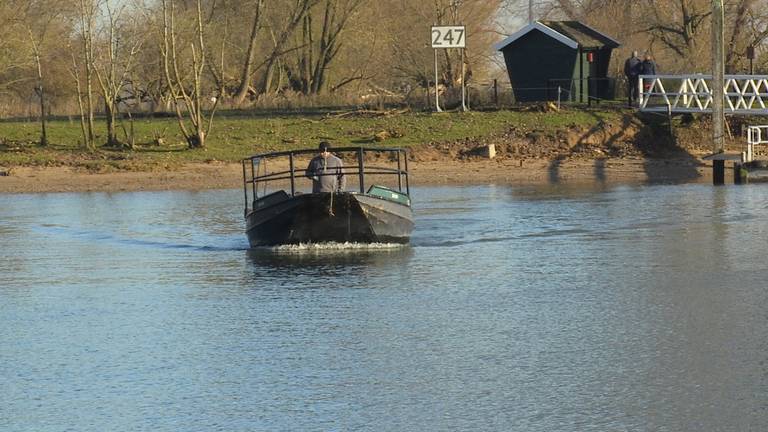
[632, 90]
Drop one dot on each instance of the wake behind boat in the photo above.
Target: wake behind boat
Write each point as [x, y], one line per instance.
[380, 213]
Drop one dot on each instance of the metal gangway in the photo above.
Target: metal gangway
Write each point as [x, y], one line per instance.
[744, 94]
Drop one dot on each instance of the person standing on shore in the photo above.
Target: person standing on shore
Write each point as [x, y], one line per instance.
[632, 71]
[326, 171]
[648, 67]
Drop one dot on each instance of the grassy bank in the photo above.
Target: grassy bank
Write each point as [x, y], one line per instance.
[236, 135]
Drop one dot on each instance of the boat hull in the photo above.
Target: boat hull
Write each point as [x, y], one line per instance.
[325, 217]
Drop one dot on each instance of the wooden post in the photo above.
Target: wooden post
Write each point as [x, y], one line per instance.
[581, 75]
[718, 88]
[669, 119]
[737, 179]
[718, 172]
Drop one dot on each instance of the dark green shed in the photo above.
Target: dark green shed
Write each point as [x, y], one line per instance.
[545, 55]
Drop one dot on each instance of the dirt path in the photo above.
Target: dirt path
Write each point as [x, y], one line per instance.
[506, 171]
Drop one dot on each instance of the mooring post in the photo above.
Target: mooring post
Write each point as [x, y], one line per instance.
[737, 179]
[718, 172]
[718, 90]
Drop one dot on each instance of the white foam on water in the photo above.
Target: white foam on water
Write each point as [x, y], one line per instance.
[335, 247]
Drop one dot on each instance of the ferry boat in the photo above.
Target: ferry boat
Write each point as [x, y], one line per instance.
[277, 212]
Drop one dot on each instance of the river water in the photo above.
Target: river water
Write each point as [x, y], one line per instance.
[516, 308]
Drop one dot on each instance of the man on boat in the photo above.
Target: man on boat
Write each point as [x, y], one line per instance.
[326, 171]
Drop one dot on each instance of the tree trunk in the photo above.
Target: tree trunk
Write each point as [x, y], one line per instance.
[298, 14]
[742, 15]
[245, 75]
[43, 117]
[109, 113]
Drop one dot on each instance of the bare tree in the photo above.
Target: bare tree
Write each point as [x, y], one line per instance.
[321, 43]
[87, 11]
[113, 66]
[37, 19]
[281, 39]
[13, 45]
[246, 74]
[40, 89]
[186, 90]
[740, 38]
[413, 56]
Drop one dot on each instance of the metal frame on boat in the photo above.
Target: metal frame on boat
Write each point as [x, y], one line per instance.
[289, 216]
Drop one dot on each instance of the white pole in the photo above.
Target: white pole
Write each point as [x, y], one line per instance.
[463, 84]
[559, 91]
[437, 94]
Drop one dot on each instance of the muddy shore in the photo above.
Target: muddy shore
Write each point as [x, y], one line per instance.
[454, 172]
[624, 150]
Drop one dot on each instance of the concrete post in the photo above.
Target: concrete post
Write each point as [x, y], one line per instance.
[718, 88]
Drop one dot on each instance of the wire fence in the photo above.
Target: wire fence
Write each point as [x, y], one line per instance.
[497, 94]
[494, 94]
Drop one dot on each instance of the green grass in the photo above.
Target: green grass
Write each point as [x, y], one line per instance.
[237, 135]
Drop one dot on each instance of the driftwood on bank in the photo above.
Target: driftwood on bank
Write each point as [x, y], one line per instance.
[368, 113]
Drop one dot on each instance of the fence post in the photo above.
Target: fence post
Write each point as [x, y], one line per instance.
[496, 92]
[559, 91]
[669, 119]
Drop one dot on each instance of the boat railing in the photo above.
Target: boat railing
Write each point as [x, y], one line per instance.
[255, 170]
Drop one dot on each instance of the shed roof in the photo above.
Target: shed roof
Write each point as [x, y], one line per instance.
[570, 33]
[585, 35]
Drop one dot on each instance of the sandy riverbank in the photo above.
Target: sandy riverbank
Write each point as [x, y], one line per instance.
[502, 171]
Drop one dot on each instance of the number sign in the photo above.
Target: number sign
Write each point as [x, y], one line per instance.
[448, 37]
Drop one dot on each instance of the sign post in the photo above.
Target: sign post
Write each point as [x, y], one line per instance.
[444, 37]
[437, 93]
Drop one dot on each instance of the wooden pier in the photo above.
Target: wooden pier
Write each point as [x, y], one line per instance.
[747, 165]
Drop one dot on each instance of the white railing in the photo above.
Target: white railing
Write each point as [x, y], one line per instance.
[744, 94]
[756, 135]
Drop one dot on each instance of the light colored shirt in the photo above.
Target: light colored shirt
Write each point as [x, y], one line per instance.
[326, 173]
